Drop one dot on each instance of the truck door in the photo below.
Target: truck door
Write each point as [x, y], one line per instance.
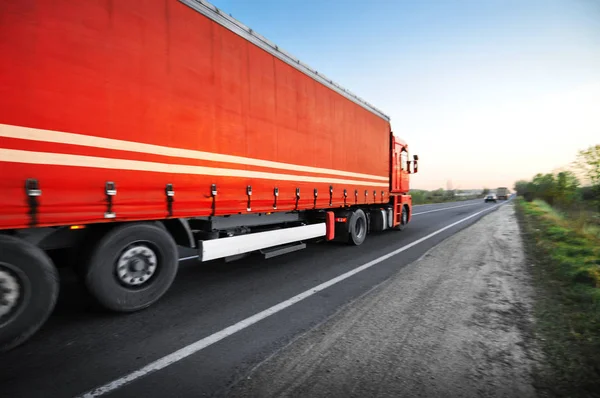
[399, 169]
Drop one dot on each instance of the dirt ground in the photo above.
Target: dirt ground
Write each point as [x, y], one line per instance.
[453, 324]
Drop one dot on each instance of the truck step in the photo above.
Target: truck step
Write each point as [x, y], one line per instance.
[279, 250]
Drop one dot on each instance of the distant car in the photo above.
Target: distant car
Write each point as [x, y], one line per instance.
[491, 198]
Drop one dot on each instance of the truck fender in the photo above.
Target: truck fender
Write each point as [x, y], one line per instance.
[180, 230]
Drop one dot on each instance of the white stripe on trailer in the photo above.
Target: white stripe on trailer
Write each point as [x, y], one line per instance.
[64, 159]
[59, 137]
[225, 247]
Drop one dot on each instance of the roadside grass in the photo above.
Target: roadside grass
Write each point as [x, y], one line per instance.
[566, 275]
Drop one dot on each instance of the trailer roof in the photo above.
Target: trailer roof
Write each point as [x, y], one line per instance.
[242, 30]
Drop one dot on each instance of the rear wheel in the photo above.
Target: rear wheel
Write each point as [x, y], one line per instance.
[357, 228]
[131, 267]
[28, 290]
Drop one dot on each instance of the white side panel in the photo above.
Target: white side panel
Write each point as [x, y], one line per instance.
[225, 247]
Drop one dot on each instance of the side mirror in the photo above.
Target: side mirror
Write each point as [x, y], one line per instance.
[416, 164]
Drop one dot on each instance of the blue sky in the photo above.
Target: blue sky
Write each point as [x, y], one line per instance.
[486, 92]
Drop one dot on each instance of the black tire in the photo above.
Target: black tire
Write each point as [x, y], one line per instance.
[403, 220]
[28, 267]
[357, 228]
[104, 282]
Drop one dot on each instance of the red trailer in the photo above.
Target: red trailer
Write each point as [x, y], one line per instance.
[128, 128]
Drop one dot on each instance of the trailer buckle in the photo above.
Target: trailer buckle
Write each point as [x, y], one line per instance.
[32, 187]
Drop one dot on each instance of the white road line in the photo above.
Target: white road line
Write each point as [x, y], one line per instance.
[243, 324]
[445, 208]
[443, 203]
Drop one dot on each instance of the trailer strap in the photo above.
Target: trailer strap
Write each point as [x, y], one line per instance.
[110, 189]
[170, 193]
[33, 191]
[249, 194]
[275, 195]
[213, 193]
[330, 195]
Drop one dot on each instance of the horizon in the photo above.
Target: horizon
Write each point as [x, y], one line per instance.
[456, 76]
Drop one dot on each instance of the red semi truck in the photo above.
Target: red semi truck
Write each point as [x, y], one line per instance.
[129, 128]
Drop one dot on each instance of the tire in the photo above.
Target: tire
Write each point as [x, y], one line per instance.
[403, 220]
[28, 290]
[131, 267]
[357, 228]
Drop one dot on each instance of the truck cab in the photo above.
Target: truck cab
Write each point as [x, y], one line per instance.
[401, 166]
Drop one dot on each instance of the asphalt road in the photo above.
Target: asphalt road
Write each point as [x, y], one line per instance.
[82, 348]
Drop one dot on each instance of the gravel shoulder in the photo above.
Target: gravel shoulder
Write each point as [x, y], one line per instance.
[456, 323]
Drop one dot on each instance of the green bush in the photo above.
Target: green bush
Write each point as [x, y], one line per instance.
[566, 277]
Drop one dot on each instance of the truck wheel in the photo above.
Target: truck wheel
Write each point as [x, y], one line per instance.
[403, 220]
[131, 267]
[357, 227]
[28, 290]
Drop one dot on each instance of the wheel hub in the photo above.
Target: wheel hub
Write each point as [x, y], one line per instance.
[10, 291]
[136, 265]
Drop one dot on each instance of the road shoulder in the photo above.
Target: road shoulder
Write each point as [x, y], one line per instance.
[457, 322]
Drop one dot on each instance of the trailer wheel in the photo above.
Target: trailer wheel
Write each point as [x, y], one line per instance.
[403, 220]
[357, 227]
[131, 267]
[28, 290]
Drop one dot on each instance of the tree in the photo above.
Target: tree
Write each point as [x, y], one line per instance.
[521, 187]
[544, 187]
[485, 191]
[566, 188]
[588, 161]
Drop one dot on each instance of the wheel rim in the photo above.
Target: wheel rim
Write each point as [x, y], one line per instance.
[360, 228]
[136, 265]
[404, 217]
[11, 292]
